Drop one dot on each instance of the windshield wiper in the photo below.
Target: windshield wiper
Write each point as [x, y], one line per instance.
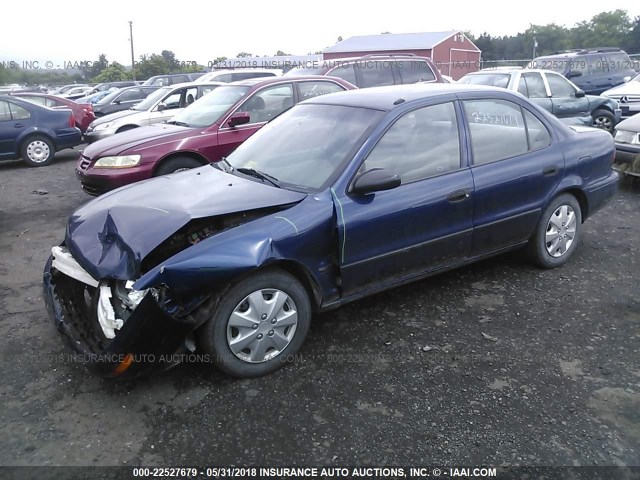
[260, 175]
[180, 124]
[224, 165]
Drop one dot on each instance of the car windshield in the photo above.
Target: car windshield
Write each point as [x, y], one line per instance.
[492, 79]
[211, 107]
[299, 71]
[148, 102]
[307, 138]
[109, 98]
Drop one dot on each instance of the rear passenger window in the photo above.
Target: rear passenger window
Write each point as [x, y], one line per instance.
[345, 72]
[19, 113]
[533, 84]
[420, 144]
[538, 134]
[497, 130]
[317, 88]
[374, 73]
[414, 71]
[5, 113]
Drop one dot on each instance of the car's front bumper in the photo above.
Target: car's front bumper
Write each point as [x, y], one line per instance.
[96, 181]
[150, 338]
[627, 153]
[95, 135]
[630, 109]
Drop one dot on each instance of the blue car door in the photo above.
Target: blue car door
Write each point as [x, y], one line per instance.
[426, 222]
[14, 119]
[516, 168]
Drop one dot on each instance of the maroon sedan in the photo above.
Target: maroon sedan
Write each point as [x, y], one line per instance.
[206, 131]
[83, 113]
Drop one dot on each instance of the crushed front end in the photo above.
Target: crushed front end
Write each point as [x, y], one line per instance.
[115, 330]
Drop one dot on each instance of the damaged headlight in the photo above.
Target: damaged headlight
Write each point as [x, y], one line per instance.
[115, 304]
[124, 161]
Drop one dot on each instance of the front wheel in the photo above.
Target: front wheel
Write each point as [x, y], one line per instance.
[38, 151]
[604, 119]
[257, 325]
[177, 164]
[558, 232]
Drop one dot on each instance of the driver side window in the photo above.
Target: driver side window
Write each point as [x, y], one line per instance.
[268, 103]
[420, 144]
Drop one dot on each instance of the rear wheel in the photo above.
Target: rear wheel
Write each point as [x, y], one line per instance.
[604, 119]
[177, 164]
[257, 324]
[38, 151]
[558, 232]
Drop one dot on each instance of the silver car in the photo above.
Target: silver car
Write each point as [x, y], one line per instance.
[158, 107]
[628, 95]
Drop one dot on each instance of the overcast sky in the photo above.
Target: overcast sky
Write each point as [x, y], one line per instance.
[203, 30]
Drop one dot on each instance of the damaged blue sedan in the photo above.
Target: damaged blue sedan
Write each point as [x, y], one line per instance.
[340, 197]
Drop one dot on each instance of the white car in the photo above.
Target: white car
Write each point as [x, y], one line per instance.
[627, 95]
[158, 107]
[227, 76]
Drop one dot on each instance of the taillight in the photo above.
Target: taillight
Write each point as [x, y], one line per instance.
[72, 120]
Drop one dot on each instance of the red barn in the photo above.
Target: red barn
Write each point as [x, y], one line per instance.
[452, 52]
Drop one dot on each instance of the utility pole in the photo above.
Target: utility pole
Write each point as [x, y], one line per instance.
[535, 45]
[133, 63]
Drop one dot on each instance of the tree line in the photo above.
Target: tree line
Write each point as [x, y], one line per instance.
[606, 29]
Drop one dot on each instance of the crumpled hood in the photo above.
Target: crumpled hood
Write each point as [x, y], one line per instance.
[117, 144]
[110, 235]
[115, 116]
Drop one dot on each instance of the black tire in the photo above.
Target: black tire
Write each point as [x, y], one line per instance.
[37, 151]
[604, 119]
[125, 128]
[175, 164]
[212, 336]
[538, 248]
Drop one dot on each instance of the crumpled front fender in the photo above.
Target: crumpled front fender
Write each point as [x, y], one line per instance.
[304, 234]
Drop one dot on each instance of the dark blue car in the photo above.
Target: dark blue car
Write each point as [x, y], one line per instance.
[34, 132]
[338, 198]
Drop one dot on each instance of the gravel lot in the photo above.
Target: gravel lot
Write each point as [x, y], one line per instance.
[525, 366]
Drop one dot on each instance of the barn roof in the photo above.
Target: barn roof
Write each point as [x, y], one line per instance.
[390, 41]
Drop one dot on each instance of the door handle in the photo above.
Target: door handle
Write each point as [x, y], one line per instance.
[458, 195]
[19, 125]
[548, 171]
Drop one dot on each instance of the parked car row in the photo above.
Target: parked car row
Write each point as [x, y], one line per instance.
[203, 132]
[338, 197]
[554, 93]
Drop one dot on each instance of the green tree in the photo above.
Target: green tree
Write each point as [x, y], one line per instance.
[113, 73]
[243, 55]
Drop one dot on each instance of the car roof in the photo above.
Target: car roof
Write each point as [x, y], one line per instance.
[192, 84]
[260, 81]
[384, 98]
[504, 71]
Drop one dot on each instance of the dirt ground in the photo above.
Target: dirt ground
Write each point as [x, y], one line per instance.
[524, 366]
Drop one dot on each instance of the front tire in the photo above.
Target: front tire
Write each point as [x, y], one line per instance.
[558, 232]
[38, 151]
[604, 119]
[257, 324]
[177, 164]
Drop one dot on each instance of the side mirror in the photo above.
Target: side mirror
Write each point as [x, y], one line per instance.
[375, 180]
[574, 74]
[162, 107]
[239, 118]
[580, 93]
